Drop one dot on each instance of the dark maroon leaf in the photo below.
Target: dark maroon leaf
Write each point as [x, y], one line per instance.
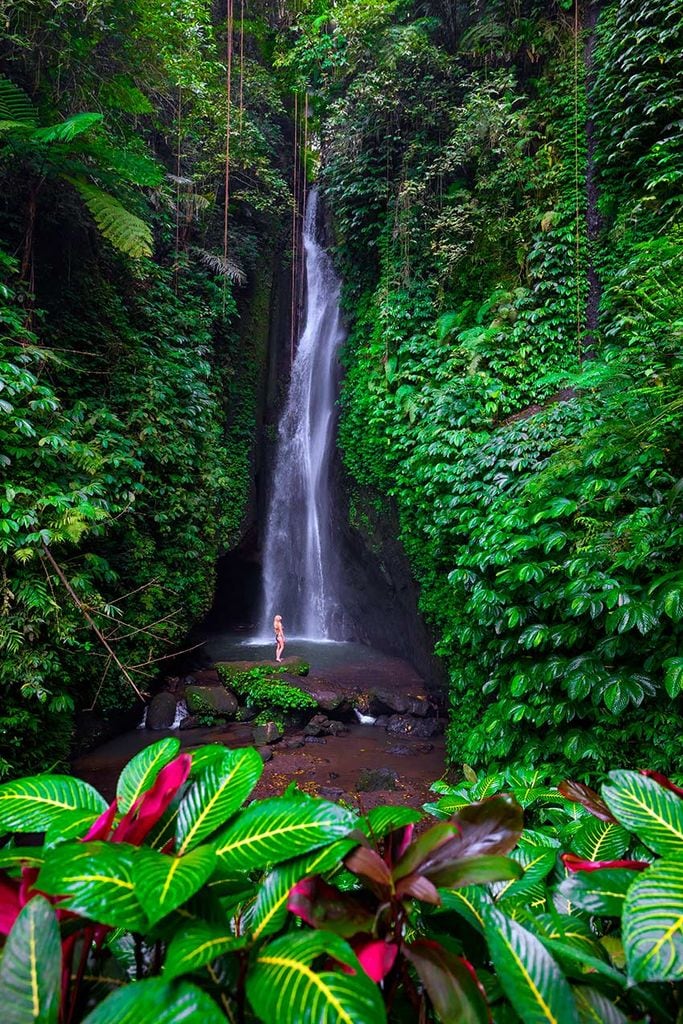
[451, 983]
[376, 956]
[423, 847]
[368, 864]
[420, 888]
[476, 871]
[662, 780]
[580, 794]
[574, 863]
[322, 906]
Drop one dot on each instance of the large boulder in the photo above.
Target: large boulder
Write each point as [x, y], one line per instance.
[211, 700]
[269, 732]
[161, 711]
[371, 780]
[407, 725]
[294, 666]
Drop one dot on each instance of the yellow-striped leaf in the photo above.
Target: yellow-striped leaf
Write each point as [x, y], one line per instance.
[155, 1001]
[197, 945]
[530, 977]
[163, 883]
[32, 804]
[283, 987]
[30, 972]
[595, 1008]
[653, 923]
[139, 774]
[218, 792]
[97, 881]
[654, 813]
[274, 830]
[600, 840]
[599, 892]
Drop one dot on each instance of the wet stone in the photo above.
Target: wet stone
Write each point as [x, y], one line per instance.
[315, 739]
[161, 711]
[267, 733]
[398, 751]
[372, 779]
[266, 753]
[407, 725]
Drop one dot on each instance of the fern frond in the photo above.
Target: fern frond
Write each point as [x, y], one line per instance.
[135, 168]
[68, 129]
[126, 232]
[15, 105]
[222, 266]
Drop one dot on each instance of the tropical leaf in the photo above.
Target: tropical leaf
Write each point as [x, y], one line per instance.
[96, 880]
[269, 912]
[32, 804]
[598, 892]
[470, 902]
[219, 791]
[380, 820]
[123, 229]
[536, 863]
[140, 772]
[283, 988]
[475, 871]
[530, 977]
[31, 967]
[595, 1008]
[197, 945]
[68, 129]
[654, 813]
[156, 1001]
[653, 923]
[21, 856]
[600, 840]
[69, 825]
[15, 105]
[202, 757]
[221, 265]
[163, 883]
[450, 983]
[271, 831]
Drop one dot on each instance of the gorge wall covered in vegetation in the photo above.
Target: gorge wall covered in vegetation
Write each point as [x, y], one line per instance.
[505, 185]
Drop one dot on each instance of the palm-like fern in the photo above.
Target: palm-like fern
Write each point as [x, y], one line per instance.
[126, 232]
[222, 266]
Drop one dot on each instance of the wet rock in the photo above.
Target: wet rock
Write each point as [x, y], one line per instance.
[382, 721]
[380, 701]
[372, 779]
[161, 711]
[399, 751]
[419, 706]
[294, 666]
[407, 725]
[211, 699]
[292, 743]
[425, 748]
[266, 753]
[270, 732]
[315, 739]
[330, 793]
[319, 725]
[337, 729]
[246, 714]
[191, 722]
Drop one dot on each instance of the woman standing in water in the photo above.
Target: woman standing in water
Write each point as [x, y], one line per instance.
[279, 637]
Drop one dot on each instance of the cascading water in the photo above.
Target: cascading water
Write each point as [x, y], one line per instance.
[300, 563]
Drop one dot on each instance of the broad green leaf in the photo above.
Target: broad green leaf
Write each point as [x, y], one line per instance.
[139, 774]
[156, 1001]
[21, 856]
[599, 892]
[219, 791]
[470, 902]
[530, 977]
[69, 825]
[453, 990]
[600, 840]
[32, 804]
[163, 883]
[381, 820]
[654, 813]
[536, 864]
[203, 756]
[595, 1008]
[583, 961]
[653, 923]
[197, 945]
[31, 967]
[283, 987]
[673, 676]
[268, 914]
[476, 871]
[271, 831]
[97, 881]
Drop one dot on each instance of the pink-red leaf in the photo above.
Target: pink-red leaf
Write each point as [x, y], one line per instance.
[588, 798]
[368, 864]
[662, 780]
[452, 985]
[574, 863]
[420, 888]
[148, 808]
[376, 956]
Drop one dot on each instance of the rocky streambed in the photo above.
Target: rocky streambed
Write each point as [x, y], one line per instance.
[372, 733]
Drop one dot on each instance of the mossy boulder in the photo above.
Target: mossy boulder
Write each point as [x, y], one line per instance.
[294, 667]
[212, 700]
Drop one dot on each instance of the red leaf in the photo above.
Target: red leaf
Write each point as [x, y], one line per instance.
[580, 794]
[574, 863]
[450, 980]
[376, 956]
[101, 828]
[322, 906]
[368, 864]
[420, 888]
[662, 780]
[10, 904]
[148, 808]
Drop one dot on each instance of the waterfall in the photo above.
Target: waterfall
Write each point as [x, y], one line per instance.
[300, 563]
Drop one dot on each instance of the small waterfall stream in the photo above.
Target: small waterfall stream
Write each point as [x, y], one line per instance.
[300, 563]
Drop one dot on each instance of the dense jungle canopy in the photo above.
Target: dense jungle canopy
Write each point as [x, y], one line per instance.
[504, 183]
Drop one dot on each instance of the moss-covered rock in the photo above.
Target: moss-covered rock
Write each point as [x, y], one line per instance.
[213, 699]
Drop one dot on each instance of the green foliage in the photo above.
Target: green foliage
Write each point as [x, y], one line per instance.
[259, 688]
[189, 904]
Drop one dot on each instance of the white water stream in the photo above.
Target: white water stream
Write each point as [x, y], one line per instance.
[300, 564]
